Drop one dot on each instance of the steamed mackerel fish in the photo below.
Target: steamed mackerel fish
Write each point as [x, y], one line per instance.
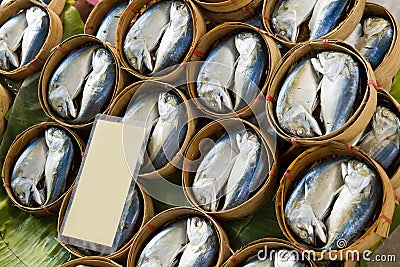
[339, 87]
[145, 34]
[383, 140]
[58, 162]
[108, 27]
[297, 100]
[28, 171]
[251, 65]
[355, 204]
[310, 202]
[177, 37]
[11, 34]
[67, 81]
[98, 86]
[35, 34]
[217, 75]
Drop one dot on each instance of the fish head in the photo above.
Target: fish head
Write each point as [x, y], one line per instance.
[330, 63]
[134, 49]
[7, 57]
[205, 194]
[198, 230]
[300, 122]
[385, 123]
[246, 42]
[356, 175]
[179, 14]
[35, 15]
[101, 59]
[215, 97]
[374, 26]
[55, 139]
[167, 105]
[247, 143]
[61, 101]
[286, 27]
[21, 187]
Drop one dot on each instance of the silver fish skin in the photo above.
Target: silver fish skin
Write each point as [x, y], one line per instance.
[325, 17]
[12, 31]
[35, 34]
[8, 59]
[339, 87]
[58, 163]
[143, 108]
[108, 28]
[177, 37]
[242, 179]
[382, 143]
[354, 38]
[28, 171]
[98, 87]
[305, 210]
[251, 65]
[258, 263]
[213, 172]
[169, 131]
[67, 81]
[145, 34]
[163, 248]
[202, 249]
[216, 76]
[288, 15]
[354, 206]
[297, 100]
[377, 39]
[287, 258]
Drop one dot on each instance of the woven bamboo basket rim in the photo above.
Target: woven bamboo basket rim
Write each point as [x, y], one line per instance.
[95, 260]
[146, 233]
[57, 6]
[99, 13]
[264, 193]
[19, 145]
[243, 13]
[381, 226]
[206, 42]
[121, 254]
[223, 6]
[60, 53]
[120, 104]
[358, 120]
[243, 254]
[390, 64]
[53, 37]
[131, 14]
[5, 104]
[340, 32]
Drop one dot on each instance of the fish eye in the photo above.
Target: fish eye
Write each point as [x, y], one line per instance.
[283, 33]
[303, 234]
[386, 113]
[300, 132]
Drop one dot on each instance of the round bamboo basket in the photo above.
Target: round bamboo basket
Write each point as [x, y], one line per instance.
[56, 57]
[390, 64]
[230, 10]
[121, 254]
[99, 13]
[130, 15]
[214, 131]
[375, 233]
[122, 101]
[57, 6]
[91, 261]
[151, 228]
[53, 37]
[361, 116]
[340, 32]
[5, 104]
[265, 245]
[18, 146]
[206, 43]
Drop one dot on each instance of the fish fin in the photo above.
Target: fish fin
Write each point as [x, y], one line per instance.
[320, 231]
[313, 123]
[147, 59]
[176, 260]
[37, 196]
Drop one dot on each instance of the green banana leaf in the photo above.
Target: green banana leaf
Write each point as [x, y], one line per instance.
[395, 89]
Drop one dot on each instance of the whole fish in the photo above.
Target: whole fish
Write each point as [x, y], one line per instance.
[339, 87]
[325, 17]
[377, 39]
[35, 34]
[165, 246]
[260, 263]
[133, 217]
[28, 171]
[306, 209]
[169, 131]
[177, 37]
[354, 206]
[288, 15]
[202, 249]
[145, 34]
[251, 66]
[383, 141]
[213, 172]
[287, 258]
[242, 180]
[108, 28]
[67, 81]
[297, 100]
[99, 85]
[58, 163]
[217, 75]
